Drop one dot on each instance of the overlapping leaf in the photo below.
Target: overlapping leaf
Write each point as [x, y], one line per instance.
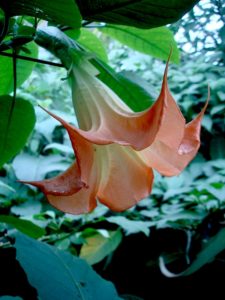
[15, 126]
[59, 275]
[62, 12]
[156, 42]
[141, 13]
[23, 69]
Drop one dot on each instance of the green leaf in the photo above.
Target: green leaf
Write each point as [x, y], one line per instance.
[217, 109]
[217, 193]
[10, 298]
[5, 189]
[24, 68]
[59, 148]
[63, 12]
[217, 147]
[213, 247]
[136, 97]
[130, 226]
[92, 43]
[15, 128]
[59, 275]
[139, 13]
[2, 15]
[207, 123]
[41, 166]
[156, 42]
[24, 226]
[98, 246]
[28, 208]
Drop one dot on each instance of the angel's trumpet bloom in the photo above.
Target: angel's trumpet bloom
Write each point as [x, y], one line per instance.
[116, 148]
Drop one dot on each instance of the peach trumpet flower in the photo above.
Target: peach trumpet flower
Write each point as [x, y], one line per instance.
[116, 149]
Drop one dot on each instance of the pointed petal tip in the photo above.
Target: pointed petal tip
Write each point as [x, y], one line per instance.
[49, 189]
[34, 183]
[53, 115]
[167, 65]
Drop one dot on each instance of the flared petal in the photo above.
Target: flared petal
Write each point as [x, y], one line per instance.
[104, 118]
[114, 174]
[67, 183]
[171, 130]
[83, 201]
[83, 149]
[125, 178]
[169, 162]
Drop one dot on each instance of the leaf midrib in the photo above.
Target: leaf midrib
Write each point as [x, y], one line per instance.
[140, 38]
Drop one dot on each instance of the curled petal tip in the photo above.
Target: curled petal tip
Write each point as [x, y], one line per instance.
[48, 187]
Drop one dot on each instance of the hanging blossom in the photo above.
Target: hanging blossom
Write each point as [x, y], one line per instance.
[116, 149]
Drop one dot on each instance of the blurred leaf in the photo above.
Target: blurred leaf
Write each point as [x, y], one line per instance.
[60, 148]
[221, 95]
[217, 147]
[197, 78]
[10, 298]
[63, 244]
[24, 226]
[23, 68]
[217, 109]
[59, 275]
[39, 167]
[218, 163]
[15, 128]
[5, 189]
[92, 43]
[156, 42]
[28, 208]
[63, 12]
[130, 226]
[140, 13]
[207, 123]
[73, 33]
[178, 191]
[136, 97]
[218, 193]
[213, 247]
[183, 217]
[98, 247]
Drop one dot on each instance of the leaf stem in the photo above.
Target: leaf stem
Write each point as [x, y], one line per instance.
[40, 61]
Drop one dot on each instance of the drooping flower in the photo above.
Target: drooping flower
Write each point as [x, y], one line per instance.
[116, 148]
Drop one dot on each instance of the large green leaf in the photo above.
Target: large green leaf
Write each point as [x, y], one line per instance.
[156, 42]
[59, 275]
[24, 226]
[15, 128]
[139, 13]
[136, 97]
[212, 248]
[98, 246]
[92, 43]
[24, 69]
[59, 11]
